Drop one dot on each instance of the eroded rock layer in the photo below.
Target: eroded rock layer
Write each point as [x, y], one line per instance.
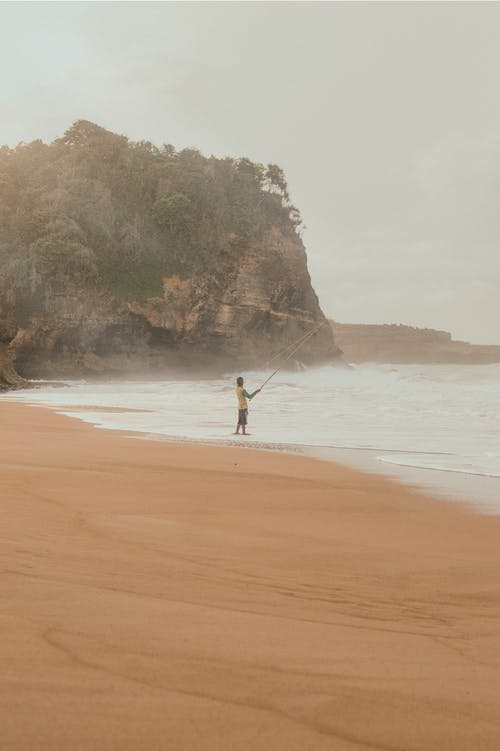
[250, 306]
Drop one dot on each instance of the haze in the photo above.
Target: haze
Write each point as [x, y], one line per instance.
[384, 116]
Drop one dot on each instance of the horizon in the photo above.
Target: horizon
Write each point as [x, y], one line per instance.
[381, 116]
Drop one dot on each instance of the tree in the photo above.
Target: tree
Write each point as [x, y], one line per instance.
[254, 170]
[96, 208]
[276, 182]
[173, 213]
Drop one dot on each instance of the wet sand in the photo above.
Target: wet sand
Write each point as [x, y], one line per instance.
[160, 596]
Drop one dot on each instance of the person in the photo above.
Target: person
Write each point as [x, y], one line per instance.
[242, 395]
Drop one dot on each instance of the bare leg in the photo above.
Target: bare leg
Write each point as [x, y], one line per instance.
[237, 431]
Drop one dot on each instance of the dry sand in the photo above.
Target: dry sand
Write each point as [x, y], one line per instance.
[156, 596]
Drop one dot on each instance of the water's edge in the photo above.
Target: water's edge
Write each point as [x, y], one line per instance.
[436, 429]
[479, 492]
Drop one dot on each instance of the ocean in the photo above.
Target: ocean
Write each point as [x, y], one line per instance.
[436, 426]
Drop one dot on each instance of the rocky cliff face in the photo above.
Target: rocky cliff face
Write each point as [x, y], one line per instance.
[119, 258]
[391, 343]
[9, 378]
[254, 303]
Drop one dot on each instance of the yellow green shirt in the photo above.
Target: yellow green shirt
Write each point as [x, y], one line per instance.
[243, 395]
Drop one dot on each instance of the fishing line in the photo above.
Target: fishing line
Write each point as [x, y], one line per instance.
[289, 347]
[301, 341]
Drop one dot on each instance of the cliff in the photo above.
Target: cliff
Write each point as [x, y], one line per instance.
[9, 378]
[120, 257]
[396, 343]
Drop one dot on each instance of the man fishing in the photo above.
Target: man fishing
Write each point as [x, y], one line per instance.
[286, 355]
[242, 395]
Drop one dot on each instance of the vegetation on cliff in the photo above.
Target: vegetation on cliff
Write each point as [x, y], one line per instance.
[95, 210]
[119, 257]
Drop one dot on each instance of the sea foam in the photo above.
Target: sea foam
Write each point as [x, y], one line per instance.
[441, 417]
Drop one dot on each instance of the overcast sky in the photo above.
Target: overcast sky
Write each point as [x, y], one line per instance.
[384, 116]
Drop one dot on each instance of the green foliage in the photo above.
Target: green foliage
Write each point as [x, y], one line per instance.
[94, 210]
[132, 281]
[16, 276]
[175, 213]
[275, 179]
[65, 259]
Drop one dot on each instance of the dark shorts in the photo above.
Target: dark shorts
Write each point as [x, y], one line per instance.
[242, 416]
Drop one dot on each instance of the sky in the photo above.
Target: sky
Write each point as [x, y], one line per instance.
[385, 117]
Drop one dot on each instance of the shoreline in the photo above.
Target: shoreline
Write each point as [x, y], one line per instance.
[161, 595]
[439, 448]
[479, 491]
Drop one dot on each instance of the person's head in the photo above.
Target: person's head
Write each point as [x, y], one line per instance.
[239, 381]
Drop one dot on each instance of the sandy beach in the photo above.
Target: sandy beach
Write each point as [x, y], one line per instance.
[160, 596]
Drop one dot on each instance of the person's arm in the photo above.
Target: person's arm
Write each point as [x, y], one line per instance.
[250, 396]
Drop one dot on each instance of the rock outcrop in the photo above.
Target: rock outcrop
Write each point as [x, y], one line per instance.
[121, 258]
[239, 314]
[396, 343]
[9, 378]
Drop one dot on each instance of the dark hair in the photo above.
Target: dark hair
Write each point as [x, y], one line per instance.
[239, 381]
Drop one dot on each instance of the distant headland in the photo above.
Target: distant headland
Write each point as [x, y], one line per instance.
[397, 343]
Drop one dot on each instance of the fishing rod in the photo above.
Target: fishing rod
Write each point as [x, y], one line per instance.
[301, 341]
[289, 347]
